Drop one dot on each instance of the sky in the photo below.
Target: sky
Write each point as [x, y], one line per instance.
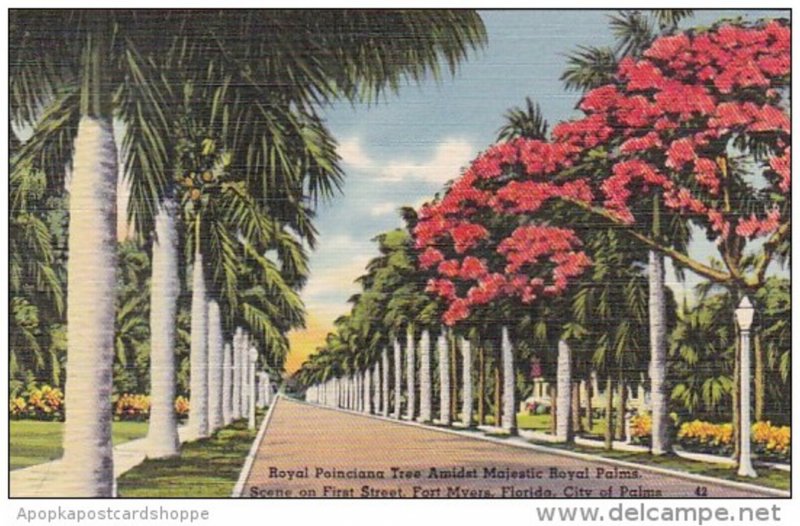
[402, 150]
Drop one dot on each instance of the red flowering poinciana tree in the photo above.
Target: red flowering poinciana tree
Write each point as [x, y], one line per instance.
[699, 125]
[476, 244]
[698, 121]
[701, 122]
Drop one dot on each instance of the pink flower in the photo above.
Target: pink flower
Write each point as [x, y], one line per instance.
[641, 75]
[449, 268]
[472, 268]
[430, 257]
[599, 99]
[680, 152]
[705, 172]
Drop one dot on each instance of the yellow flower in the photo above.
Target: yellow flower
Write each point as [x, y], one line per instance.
[17, 406]
[182, 405]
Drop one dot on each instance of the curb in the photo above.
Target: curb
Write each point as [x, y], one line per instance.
[251, 455]
[520, 443]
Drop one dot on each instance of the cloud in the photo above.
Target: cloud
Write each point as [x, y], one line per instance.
[382, 209]
[353, 154]
[450, 155]
[339, 280]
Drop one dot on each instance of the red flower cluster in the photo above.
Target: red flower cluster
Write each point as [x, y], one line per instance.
[679, 107]
[752, 226]
[782, 166]
[667, 118]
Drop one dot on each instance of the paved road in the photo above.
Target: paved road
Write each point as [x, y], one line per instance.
[312, 451]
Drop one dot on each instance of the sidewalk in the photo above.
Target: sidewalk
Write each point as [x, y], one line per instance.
[41, 480]
[540, 436]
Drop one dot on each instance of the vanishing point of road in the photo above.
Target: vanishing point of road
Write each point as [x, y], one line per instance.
[310, 451]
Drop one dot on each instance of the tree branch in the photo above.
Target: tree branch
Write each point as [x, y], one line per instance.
[766, 255]
[702, 269]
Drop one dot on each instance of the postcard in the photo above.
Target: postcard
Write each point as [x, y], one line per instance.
[520, 254]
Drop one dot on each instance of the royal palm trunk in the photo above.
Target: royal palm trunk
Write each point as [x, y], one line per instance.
[466, 382]
[162, 430]
[622, 402]
[227, 384]
[609, 432]
[425, 386]
[215, 359]
[509, 417]
[385, 382]
[564, 393]
[410, 373]
[658, 356]
[576, 408]
[452, 346]
[589, 411]
[444, 380]
[91, 269]
[260, 390]
[367, 379]
[244, 368]
[198, 404]
[236, 377]
[251, 391]
[553, 408]
[398, 378]
[376, 389]
[481, 385]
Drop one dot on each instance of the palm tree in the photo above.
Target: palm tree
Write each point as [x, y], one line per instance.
[609, 311]
[444, 380]
[71, 64]
[703, 345]
[287, 155]
[425, 385]
[36, 281]
[466, 382]
[528, 123]
[590, 67]
[75, 84]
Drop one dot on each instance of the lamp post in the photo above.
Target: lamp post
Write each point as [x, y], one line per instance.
[744, 319]
[251, 384]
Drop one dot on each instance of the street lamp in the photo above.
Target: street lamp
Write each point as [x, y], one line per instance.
[744, 319]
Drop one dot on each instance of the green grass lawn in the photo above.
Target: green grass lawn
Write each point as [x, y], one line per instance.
[771, 478]
[205, 468]
[34, 442]
[542, 423]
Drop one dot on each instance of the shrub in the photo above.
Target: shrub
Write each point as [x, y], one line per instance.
[182, 407]
[641, 427]
[772, 441]
[134, 407]
[16, 407]
[38, 403]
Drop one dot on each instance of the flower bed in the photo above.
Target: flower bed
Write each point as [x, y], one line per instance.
[132, 407]
[705, 437]
[770, 442]
[47, 403]
[38, 403]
